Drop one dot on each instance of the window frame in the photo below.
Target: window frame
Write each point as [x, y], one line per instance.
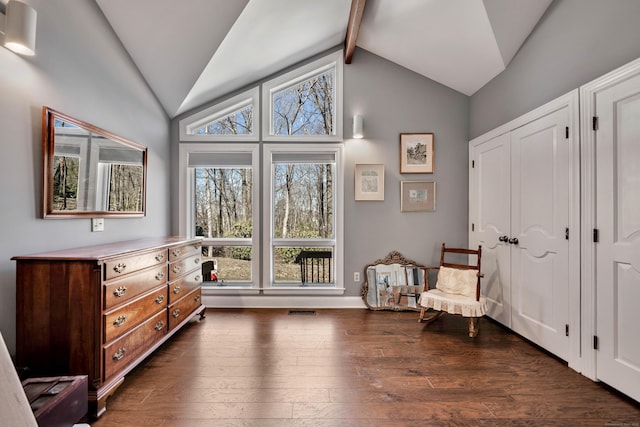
[222, 109]
[304, 72]
[186, 207]
[269, 242]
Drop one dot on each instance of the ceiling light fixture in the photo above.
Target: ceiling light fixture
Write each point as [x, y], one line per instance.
[357, 127]
[18, 25]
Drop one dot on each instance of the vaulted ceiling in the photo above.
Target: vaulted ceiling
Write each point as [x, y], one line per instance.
[194, 51]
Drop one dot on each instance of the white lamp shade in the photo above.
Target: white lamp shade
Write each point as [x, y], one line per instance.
[20, 28]
[357, 127]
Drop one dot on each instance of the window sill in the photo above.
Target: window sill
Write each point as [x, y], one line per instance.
[226, 290]
[303, 290]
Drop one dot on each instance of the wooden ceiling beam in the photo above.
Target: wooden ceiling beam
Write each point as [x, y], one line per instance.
[353, 27]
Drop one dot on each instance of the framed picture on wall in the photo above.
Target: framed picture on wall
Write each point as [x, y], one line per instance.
[369, 182]
[417, 196]
[416, 152]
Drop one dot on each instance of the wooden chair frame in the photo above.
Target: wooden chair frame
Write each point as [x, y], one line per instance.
[473, 321]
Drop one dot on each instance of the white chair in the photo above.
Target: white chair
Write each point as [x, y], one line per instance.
[457, 289]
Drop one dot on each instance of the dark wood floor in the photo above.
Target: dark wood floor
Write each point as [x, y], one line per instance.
[341, 368]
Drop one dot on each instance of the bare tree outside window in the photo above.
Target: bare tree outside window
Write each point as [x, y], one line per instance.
[125, 188]
[303, 200]
[237, 123]
[223, 209]
[305, 108]
[65, 182]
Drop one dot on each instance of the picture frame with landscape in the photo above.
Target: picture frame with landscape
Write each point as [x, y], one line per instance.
[416, 152]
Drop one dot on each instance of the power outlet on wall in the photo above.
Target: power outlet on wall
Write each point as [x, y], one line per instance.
[356, 276]
[97, 224]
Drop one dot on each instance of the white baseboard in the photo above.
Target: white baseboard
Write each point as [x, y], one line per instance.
[280, 301]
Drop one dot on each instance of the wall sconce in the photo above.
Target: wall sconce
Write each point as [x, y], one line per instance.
[357, 127]
[18, 25]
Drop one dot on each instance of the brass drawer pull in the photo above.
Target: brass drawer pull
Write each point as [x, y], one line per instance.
[177, 252]
[196, 261]
[118, 355]
[197, 298]
[159, 325]
[176, 290]
[120, 291]
[177, 268]
[197, 245]
[160, 275]
[159, 299]
[159, 257]
[119, 268]
[197, 278]
[176, 313]
[119, 321]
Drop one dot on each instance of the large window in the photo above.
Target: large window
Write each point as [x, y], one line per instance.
[292, 204]
[221, 182]
[304, 205]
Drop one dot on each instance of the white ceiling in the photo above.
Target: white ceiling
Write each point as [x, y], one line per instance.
[193, 51]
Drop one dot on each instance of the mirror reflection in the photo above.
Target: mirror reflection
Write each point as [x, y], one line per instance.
[89, 171]
[393, 283]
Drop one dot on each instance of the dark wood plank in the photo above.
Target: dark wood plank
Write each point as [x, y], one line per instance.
[360, 368]
[353, 27]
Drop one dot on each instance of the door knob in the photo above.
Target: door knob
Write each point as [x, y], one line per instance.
[513, 240]
[503, 238]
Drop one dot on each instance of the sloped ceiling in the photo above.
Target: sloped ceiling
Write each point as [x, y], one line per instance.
[193, 51]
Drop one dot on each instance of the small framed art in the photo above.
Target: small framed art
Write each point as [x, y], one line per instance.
[369, 182]
[417, 196]
[416, 152]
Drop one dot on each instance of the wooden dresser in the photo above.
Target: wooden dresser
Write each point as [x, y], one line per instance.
[100, 310]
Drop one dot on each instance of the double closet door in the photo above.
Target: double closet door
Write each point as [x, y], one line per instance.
[519, 213]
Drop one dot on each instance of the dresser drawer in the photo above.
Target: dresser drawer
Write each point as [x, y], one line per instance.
[181, 251]
[127, 317]
[119, 267]
[120, 291]
[184, 285]
[184, 307]
[127, 349]
[179, 268]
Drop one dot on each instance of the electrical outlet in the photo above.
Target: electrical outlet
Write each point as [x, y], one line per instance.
[356, 276]
[97, 224]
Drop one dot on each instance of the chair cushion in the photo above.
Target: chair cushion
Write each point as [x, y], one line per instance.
[453, 304]
[457, 281]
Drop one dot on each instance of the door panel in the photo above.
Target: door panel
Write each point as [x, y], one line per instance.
[491, 216]
[539, 217]
[618, 251]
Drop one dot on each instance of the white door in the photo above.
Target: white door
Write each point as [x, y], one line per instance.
[618, 222]
[490, 218]
[540, 166]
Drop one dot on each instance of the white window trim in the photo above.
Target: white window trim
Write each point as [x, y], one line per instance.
[333, 60]
[222, 109]
[268, 287]
[186, 209]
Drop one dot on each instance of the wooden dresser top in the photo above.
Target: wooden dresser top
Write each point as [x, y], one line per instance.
[107, 250]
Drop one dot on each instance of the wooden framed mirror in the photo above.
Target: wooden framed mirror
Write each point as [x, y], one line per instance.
[393, 283]
[88, 171]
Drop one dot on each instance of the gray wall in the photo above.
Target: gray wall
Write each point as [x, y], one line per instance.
[80, 69]
[394, 100]
[574, 42]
